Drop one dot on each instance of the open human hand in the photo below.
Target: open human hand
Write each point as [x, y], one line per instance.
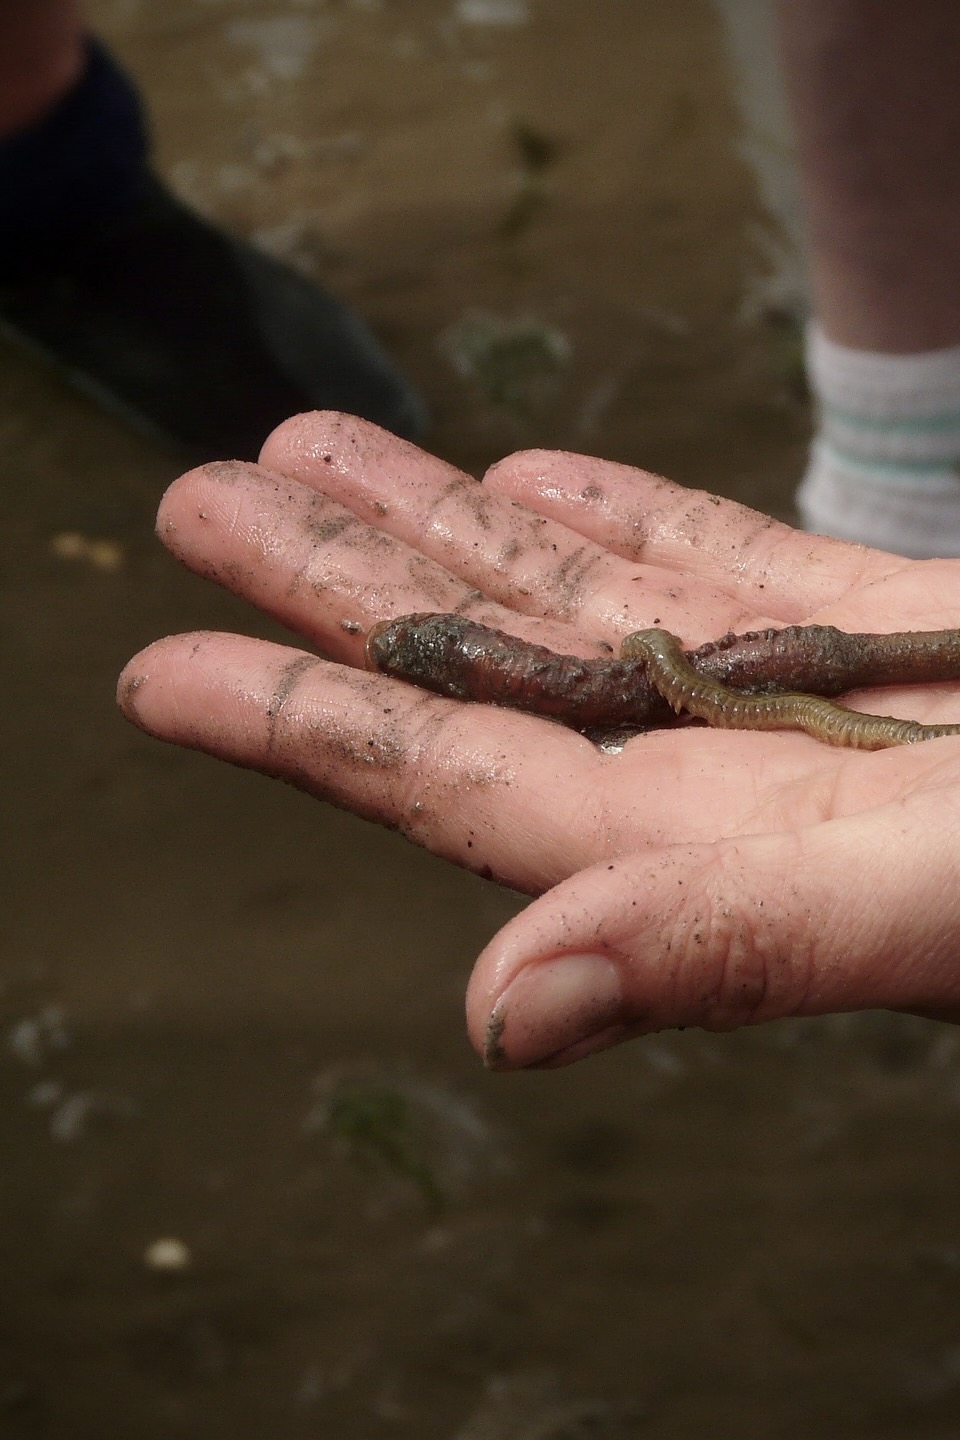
[697, 877]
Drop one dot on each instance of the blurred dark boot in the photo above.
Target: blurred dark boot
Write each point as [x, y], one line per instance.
[189, 332]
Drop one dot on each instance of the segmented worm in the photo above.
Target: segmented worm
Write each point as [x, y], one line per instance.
[685, 689]
[461, 658]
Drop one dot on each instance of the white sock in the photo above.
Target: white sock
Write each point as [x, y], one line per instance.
[884, 466]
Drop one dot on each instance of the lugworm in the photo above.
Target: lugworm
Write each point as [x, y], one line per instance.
[469, 661]
[461, 658]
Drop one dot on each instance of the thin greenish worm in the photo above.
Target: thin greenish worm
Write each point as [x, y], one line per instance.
[795, 667]
[685, 689]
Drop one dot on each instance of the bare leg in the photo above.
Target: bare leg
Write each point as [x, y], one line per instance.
[873, 86]
[41, 58]
[875, 93]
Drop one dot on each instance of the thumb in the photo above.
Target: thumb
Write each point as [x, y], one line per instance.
[848, 914]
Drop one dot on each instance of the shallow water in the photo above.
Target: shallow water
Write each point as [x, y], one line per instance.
[232, 1018]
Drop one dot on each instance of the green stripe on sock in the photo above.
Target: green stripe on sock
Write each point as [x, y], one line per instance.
[909, 425]
[910, 472]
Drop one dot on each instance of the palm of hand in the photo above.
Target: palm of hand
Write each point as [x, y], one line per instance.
[697, 877]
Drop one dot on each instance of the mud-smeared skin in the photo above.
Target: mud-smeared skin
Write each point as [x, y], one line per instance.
[801, 663]
[725, 709]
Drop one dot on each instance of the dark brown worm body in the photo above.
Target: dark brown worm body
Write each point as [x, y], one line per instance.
[469, 661]
[461, 658]
[685, 689]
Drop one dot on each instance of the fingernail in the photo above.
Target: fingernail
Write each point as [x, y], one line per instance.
[551, 1006]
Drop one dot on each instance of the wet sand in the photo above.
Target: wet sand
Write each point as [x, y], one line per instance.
[232, 1018]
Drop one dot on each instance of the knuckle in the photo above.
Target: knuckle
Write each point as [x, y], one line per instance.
[741, 970]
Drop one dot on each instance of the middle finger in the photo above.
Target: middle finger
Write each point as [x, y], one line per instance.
[527, 561]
